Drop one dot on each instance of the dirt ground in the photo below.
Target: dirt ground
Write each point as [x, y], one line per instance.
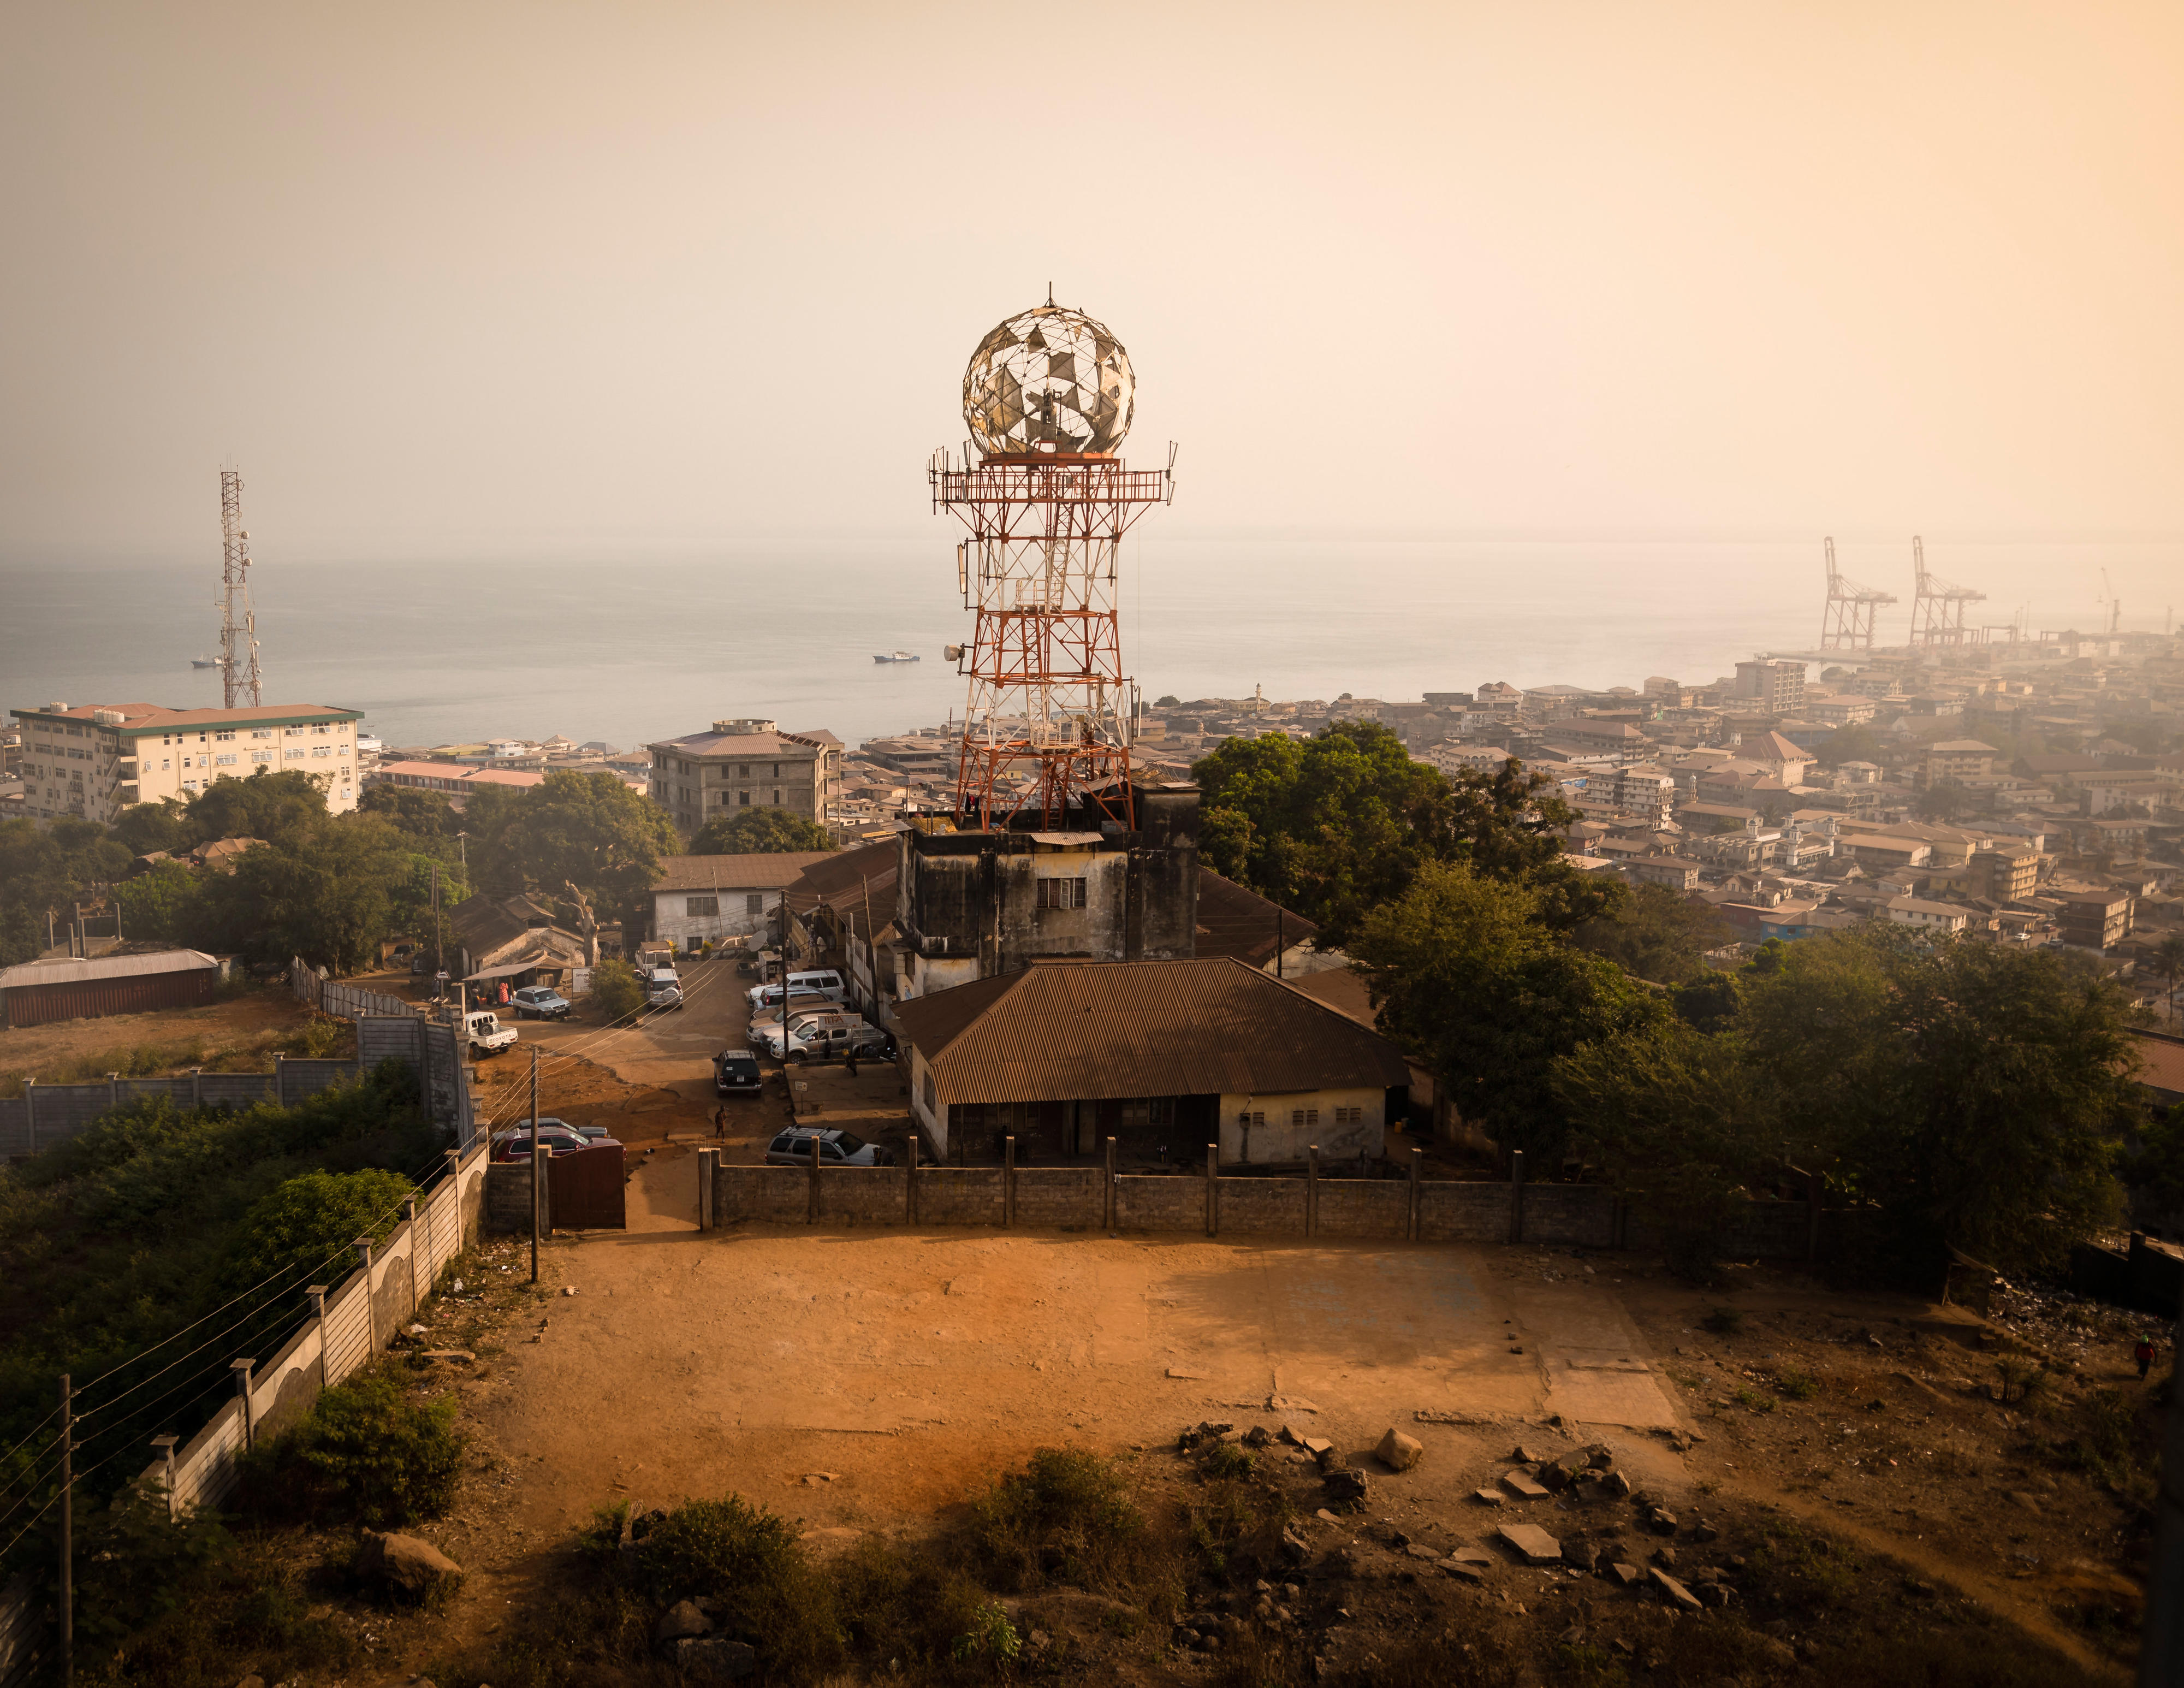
[241, 1024]
[865, 1380]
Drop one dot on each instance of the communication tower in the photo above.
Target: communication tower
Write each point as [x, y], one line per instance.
[1047, 728]
[1847, 624]
[238, 621]
[1938, 607]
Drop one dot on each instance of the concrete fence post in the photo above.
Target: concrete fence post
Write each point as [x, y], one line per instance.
[910, 1180]
[241, 1369]
[1411, 1226]
[280, 1080]
[1008, 1181]
[706, 1188]
[1312, 1189]
[409, 1218]
[455, 1178]
[1213, 1190]
[31, 1111]
[317, 1292]
[1114, 1192]
[812, 1194]
[197, 1087]
[1517, 1195]
[113, 1090]
[164, 1446]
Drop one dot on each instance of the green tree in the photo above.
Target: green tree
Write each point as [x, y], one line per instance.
[166, 903]
[2154, 1167]
[1684, 1123]
[325, 890]
[266, 805]
[760, 832]
[616, 991]
[2167, 962]
[304, 1226]
[1472, 984]
[1335, 825]
[1658, 933]
[589, 829]
[421, 814]
[1224, 841]
[46, 871]
[145, 827]
[1944, 800]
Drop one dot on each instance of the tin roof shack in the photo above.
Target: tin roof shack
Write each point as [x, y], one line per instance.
[1165, 1057]
[972, 904]
[38, 993]
[513, 938]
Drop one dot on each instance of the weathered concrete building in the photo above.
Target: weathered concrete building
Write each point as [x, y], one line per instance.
[970, 906]
[744, 765]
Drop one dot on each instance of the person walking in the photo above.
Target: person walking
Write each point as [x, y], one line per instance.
[720, 1123]
[2144, 1354]
[850, 1061]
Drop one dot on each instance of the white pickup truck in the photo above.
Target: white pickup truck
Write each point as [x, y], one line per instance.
[486, 1035]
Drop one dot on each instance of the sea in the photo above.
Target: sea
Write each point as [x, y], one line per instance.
[626, 648]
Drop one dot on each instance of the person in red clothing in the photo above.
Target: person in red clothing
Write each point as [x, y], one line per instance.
[2144, 1354]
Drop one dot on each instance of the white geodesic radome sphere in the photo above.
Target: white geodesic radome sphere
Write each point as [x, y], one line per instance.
[1050, 377]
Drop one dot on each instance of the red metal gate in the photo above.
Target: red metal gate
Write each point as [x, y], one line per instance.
[586, 1188]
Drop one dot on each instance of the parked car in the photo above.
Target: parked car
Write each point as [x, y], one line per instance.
[538, 1002]
[486, 1035]
[838, 1148]
[823, 1036]
[593, 1134]
[735, 1073]
[800, 1002]
[662, 990]
[826, 981]
[558, 1139]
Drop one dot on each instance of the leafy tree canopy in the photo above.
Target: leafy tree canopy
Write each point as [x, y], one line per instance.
[590, 830]
[266, 806]
[305, 1228]
[760, 832]
[1659, 934]
[423, 814]
[1473, 984]
[1858, 744]
[1338, 824]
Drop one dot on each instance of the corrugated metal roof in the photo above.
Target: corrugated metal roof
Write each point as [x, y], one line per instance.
[104, 967]
[755, 872]
[2164, 1059]
[1235, 922]
[1088, 1030]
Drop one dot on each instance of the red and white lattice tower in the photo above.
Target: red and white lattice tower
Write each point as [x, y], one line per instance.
[1047, 728]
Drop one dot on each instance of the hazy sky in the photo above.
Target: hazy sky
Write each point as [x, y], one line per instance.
[467, 278]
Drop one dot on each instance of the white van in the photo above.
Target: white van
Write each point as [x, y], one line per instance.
[825, 982]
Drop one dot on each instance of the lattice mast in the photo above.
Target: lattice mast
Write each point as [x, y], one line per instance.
[1048, 725]
[238, 621]
[1938, 607]
[1847, 622]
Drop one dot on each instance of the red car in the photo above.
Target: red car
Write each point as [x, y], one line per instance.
[560, 1138]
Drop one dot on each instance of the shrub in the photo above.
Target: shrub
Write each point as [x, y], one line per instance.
[1797, 1384]
[366, 1452]
[991, 1636]
[1751, 1400]
[1066, 1517]
[1801, 1572]
[616, 990]
[307, 1224]
[2015, 1376]
[1724, 1321]
[748, 1560]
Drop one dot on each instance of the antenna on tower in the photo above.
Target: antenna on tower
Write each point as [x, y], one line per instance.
[238, 621]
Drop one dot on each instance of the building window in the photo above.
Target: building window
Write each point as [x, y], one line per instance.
[754, 904]
[227, 738]
[1350, 1116]
[1304, 1115]
[776, 800]
[776, 766]
[225, 762]
[1248, 1118]
[256, 756]
[1061, 893]
[693, 907]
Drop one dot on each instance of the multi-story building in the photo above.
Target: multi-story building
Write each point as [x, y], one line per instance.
[1953, 760]
[2006, 873]
[96, 760]
[745, 764]
[2095, 920]
[1776, 687]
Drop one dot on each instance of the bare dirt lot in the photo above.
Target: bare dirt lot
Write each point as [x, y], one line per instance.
[866, 1382]
[244, 1030]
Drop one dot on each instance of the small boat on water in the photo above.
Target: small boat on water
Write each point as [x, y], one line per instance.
[898, 656]
[204, 662]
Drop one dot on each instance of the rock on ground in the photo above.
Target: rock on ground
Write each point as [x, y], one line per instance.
[405, 1564]
[1398, 1451]
[679, 1621]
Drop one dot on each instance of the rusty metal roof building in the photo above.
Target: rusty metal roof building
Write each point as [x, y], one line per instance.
[754, 871]
[1235, 922]
[1091, 1030]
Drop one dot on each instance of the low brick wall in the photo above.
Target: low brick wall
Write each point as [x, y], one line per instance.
[771, 1195]
[1148, 1202]
[1364, 1207]
[1581, 1214]
[857, 1196]
[508, 1197]
[959, 1195]
[1061, 1198]
[1275, 1205]
[1463, 1212]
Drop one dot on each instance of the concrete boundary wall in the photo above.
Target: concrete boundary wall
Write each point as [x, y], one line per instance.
[1074, 1199]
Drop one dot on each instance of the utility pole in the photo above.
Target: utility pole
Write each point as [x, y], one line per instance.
[68, 1531]
[538, 1164]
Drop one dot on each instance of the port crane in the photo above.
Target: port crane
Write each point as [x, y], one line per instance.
[1847, 621]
